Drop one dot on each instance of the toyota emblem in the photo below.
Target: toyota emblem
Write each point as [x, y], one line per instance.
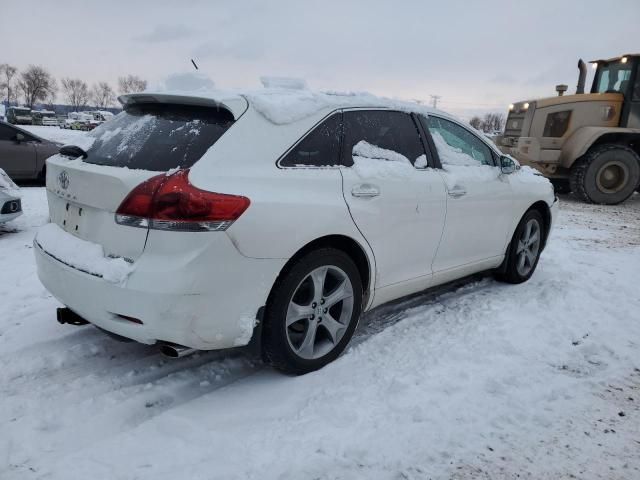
[63, 179]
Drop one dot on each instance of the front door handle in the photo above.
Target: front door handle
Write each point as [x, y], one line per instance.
[365, 190]
[457, 192]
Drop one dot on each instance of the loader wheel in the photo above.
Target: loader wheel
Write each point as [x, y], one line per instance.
[607, 174]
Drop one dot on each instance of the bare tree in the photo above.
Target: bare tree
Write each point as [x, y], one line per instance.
[50, 101]
[103, 95]
[76, 92]
[36, 84]
[476, 122]
[7, 72]
[131, 84]
[492, 122]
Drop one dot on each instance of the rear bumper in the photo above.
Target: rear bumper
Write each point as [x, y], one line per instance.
[185, 299]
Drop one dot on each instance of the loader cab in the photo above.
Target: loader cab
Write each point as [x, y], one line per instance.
[621, 75]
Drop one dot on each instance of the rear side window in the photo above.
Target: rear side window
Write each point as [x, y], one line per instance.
[394, 131]
[320, 148]
[158, 137]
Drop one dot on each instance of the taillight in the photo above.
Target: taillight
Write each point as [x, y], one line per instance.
[170, 202]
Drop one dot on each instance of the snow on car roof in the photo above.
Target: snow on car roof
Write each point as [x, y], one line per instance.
[283, 100]
[282, 105]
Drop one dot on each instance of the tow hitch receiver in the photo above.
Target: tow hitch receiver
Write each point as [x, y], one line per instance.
[65, 315]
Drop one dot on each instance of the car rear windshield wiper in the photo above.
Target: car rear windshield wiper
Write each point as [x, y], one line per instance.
[73, 151]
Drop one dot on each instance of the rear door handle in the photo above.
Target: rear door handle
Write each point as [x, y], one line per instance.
[365, 190]
[457, 192]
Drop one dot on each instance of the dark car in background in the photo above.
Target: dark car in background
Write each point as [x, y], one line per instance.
[23, 154]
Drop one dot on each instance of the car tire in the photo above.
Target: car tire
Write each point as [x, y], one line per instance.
[296, 339]
[607, 174]
[523, 253]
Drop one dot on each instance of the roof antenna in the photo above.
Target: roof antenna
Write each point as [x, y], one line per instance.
[194, 64]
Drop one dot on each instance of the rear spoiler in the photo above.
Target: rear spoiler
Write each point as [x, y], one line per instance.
[236, 105]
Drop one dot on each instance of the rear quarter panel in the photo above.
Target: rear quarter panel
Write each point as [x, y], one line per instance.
[290, 207]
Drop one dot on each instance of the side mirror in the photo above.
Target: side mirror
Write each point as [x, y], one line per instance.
[508, 165]
[19, 138]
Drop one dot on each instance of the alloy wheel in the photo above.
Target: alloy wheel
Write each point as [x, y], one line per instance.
[528, 247]
[319, 312]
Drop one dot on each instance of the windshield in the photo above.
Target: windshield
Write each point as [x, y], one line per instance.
[614, 77]
[158, 137]
[21, 111]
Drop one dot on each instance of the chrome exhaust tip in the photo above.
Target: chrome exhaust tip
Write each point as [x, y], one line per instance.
[175, 351]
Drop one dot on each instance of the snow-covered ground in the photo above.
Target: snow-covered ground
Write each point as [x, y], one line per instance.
[483, 380]
[55, 134]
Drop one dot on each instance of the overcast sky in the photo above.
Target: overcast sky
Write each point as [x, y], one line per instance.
[475, 55]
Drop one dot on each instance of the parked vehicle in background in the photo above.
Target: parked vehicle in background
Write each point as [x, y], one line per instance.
[102, 115]
[46, 118]
[19, 115]
[23, 154]
[3, 117]
[10, 205]
[189, 220]
[78, 121]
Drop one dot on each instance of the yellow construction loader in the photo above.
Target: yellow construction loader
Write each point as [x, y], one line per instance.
[588, 143]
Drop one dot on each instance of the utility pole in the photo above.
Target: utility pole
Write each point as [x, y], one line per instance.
[434, 100]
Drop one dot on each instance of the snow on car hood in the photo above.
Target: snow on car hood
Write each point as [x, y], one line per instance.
[82, 255]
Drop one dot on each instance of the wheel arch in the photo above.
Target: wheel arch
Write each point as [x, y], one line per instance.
[544, 210]
[587, 138]
[340, 242]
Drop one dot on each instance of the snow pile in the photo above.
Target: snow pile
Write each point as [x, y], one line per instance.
[185, 82]
[526, 174]
[284, 82]
[247, 325]
[450, 155]
[85, 142]
[456, 175]
[373, 161]
[282, 106]
[421, 161]
[80, 254]
[7, 185]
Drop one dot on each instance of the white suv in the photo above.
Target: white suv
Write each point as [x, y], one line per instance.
[199, 222]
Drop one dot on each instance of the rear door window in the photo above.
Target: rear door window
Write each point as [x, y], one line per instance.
[158, 137]
[395, 131]
[320, 148]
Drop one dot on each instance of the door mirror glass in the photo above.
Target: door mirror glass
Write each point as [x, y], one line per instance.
[19, 137]
[508, 165]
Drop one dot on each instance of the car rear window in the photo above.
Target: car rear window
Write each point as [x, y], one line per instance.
[158, 137]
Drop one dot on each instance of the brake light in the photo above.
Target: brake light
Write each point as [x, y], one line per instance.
[170, 202]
